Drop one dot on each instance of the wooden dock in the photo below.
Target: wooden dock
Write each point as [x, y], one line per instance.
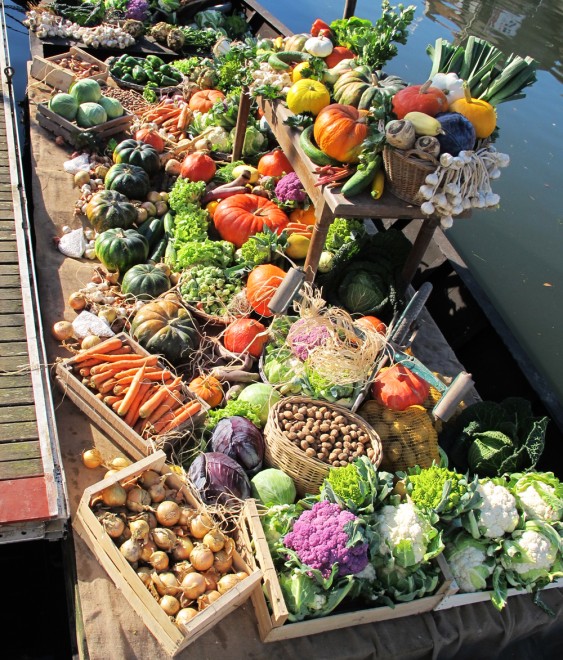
[33, 502]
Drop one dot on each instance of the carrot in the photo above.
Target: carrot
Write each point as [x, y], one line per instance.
[158, 397]
[151, 373]
[97, 379]
[110, 399]
[183, 118]
[91, 362]
[105, 347]
[121, 365]
[187, 411]
[107, 386]
[132, 392]
[133, 413]
[84, 372]
[172, 402]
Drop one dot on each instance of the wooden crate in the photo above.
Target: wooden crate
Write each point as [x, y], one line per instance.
[123, 436]
[47, 70]
[272, 619]
[73, 133]
[172, 639]
[460, 599]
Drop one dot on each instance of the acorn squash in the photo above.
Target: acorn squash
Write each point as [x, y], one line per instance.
[145, 282]
[120, 249]
[109, 209]
[136, 152]
[130, 180]
[166, 328]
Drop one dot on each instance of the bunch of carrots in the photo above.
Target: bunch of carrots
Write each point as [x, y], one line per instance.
[299, 228]
[174, 119]
[148, 397]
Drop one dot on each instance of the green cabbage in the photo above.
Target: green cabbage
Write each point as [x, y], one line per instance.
[262, 396]
[64, 105]
[86, 90]
[254, 141]
[90, 114]
[273, 487]
[113, 107]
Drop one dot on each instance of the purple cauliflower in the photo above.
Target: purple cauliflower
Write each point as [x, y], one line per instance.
[138, 10]
[319, 539]
[303, 338]
[290, 189]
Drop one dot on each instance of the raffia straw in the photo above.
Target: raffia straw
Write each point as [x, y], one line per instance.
[349, 353]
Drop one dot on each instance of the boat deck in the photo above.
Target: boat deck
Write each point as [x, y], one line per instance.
[32, 495]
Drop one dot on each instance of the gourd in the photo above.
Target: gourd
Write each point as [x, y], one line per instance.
[274, 163]
[319, 46]
[205, 99]
[307, 95]
[109, 209]
[303, 216]
[261, 286]
[480, 113]
[166, 328]
[129, 180]
[145, 281]
[239, 217]
[198, 166]
[339, 131]
[120, 249]
[245, 336]
[362, 88]
[141, 154]
[207, 388]
[90, 115]
[397, 388]
[419, 98]
[296, 42]
[458, 133]
[151, 137]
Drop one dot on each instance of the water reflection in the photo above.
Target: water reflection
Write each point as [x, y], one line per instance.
[524, 27]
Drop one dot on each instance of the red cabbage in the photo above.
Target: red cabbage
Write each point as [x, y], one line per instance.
[219, 478]
[459, 133]
[241, 440]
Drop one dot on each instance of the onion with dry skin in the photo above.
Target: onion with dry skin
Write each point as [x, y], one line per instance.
[62, 330]
[181, 569]
[92, 458]
[90, 341]
[113, 525]
[214, 540]
[186, 515]
[193, 585]
[201, 557]
[184, 616]
[149, 477]
[159, 560]
[138, 499]
[166, 583]
[131, 550]
[157, 492]
[139, 530]
[77, 301]
[114, 495]
[223, 561]
[147, 550]
[227, 582]
[200, 525]
[207, 599]
[183, 548]
[170, 605]
[164, 538]
[118, 463]
[168, 513]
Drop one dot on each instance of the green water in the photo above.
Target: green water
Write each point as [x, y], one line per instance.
[514, 252]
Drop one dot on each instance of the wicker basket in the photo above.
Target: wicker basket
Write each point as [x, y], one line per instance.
[405, 172]
[308, 473]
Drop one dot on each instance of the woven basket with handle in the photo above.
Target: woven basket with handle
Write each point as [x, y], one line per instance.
[405, 172]
[308, 472]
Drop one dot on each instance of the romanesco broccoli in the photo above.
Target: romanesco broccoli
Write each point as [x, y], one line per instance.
[342, 231]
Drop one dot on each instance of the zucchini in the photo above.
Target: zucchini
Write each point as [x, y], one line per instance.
[362, 178]
[311, 150]
[157, 253]
[292, 56]
[277, 64]
[153, 230]
[168, 221]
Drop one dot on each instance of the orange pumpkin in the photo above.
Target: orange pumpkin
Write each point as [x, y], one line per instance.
[303, 216]
[261, 285]
[245, 336]
[207, 388]
[339, 131]
[205, 99]
[419, 98]
[338, 54]
[372, 322]
[198, 166]
[397, 388]
[239, 217]
[274, 163]
[152, 137]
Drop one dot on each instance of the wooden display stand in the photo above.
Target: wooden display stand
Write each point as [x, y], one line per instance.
[329, 204]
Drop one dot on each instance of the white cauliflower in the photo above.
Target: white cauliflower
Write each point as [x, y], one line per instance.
[539, 495]
[535, 507]
[498, 514]
[535, 547]
[405, 533]
[469, 562]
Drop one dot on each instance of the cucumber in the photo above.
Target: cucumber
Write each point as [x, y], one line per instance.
[153, 230]
[159, 250]
[168, 219]
[312, 151]
[170, 252]
[277, 64]
[291, 56]
[362, 178]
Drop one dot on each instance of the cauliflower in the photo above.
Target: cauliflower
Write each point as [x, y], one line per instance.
[497, 514]
[444, 491]
[406, 533]
[290, 189]
[539, 495]
[531, 553]
[469, 562]
[322, 537]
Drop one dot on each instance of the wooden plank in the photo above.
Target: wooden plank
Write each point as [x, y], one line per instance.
[11, 294]
[9, 270]
[13, 348]
[13, 382]
[13, 320]
[18, 363]
[18, 431]
[10, 282]
[19, 451]
[17, 396]
[32, 467]
[17, 414]
[11, 306]
[9, 334]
